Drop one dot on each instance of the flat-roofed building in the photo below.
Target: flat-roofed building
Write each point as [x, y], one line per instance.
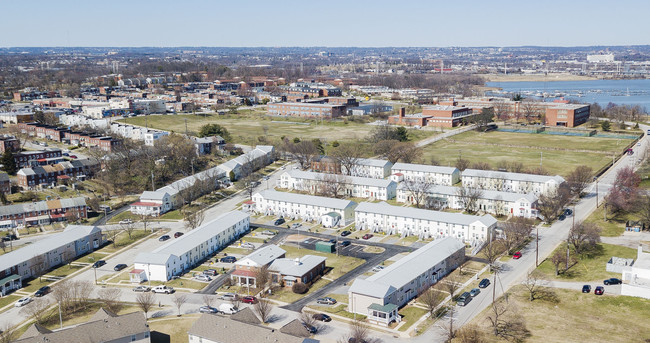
[567, 115]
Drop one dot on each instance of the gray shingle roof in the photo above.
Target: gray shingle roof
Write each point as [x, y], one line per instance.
[416, 213]
[397, 167]
[262, 256]
[512, 176]
[485, 194]
[295, 328]
[291, 267]
[312, 200]
[217, 328]
[372, 162]
[354, 180]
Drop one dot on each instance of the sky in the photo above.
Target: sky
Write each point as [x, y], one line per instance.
[334, 23]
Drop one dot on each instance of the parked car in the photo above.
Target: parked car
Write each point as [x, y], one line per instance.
[228, 259]
[126, 221]
[249, 299]
[377, 268]
[269, 232]
[227, 309]
[484, 283]
[367, 236]
[474, 292]
[164, 238]
[178, 234]
[142, 289]
[8, 238]
[42, 291]
[464, 299]
[229, 296]
[344, 243]
[568, 212]
[586, 289]
[211, 272]
[612, 281]
[333, 241]
[312, 329]
[345, 233]
[73, 156]
[295, 225]
[326, 300]
[278, 221]
[208, 309]
[322, 317]
[119, 267]
[163, 289]
[23, 301]
[561, 217]
[599, 290]
[99, 263]
[248, 245]
[517, 255]
[203, 277]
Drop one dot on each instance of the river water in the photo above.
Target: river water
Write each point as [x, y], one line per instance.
[622, 92]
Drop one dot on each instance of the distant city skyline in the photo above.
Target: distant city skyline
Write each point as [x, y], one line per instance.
[381, 23]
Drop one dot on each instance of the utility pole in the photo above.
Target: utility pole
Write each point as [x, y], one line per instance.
[186, 126]
[95, 269]
[541, 158]
[537, 246]
[60, 316]
[153, 186]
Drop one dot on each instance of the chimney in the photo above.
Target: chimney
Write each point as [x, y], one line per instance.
[402, 112]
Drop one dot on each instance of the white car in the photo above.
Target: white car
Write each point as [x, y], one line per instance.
[377, 268]
[203, 277]
[248, 245]
[126, 221]
[23, 301]
[162, 289]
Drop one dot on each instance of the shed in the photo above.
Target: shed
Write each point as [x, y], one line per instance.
[331, 219]
[323, 246]
[137, 276]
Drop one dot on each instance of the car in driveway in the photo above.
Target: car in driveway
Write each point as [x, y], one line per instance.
[296, 225]
[278, 221]
[516, 255]
[99, 263]
[269, 233]
[568, 212]
[326, 301]
[210, 272]
[367, 236]
[344, 243]
[142, 289]
[119, 267]
[474, 292]
[345, 233]
[228, 259]
[248, 245]
[23, 301]
[208, 309]
[229, 296]
[612, 281]
[586, 289]
[310, 328]
[164, 238]
[9, 238]
[377, 268]
[322, 317]
[203, 277]
[42, 291]
[178, 234]
[484, 283]
[163, 289]
[249, 299]
[464, 299]
[599, 290]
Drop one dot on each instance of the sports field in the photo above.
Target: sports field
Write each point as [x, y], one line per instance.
[557, 154]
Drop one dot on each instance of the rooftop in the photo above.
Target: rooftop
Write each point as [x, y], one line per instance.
[312, 200]
[423, 168]
[416, 213]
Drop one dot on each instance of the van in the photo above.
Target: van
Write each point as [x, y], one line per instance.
[464, 299]
[227, 309]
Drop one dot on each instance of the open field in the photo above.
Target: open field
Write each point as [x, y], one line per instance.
[615, 224]
[245, 129]
[591, 266]
[492, 147]
[576, 317]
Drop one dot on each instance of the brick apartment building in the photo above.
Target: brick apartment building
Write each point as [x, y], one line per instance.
[569, 115]
[42, 212]
[105, 143]
[306, 110]
[438, 115]
[5, 183]
[31, 178]
[325, 164]
[402, 118]
[28, 158]
[8, 143]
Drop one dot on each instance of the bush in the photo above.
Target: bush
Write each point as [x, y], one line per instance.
[299, 288]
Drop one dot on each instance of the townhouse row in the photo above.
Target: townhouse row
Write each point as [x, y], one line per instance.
[50, 175]
[337, 184]
[60, 134]
[42, 212]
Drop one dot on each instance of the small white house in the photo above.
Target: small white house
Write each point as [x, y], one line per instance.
[436, 175]
[330, 219]
[152, 203]
[511, 182]
[300, 206]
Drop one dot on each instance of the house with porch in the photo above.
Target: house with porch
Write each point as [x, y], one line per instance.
[152, 204]
[247, 268]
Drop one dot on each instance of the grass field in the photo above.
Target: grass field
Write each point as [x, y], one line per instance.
[245, 128]
[615, 224]
[527, 149]
[590, 267]
[576, 317]
[410, 314]
[171, 328]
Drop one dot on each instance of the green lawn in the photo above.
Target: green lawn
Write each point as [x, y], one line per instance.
[33, 285]
[410, 315]
[576, 317]
[341, 298]
[285, 294]
[8, 299]
[615, 224]
[528, 149]
[64, 271]
[339, 264]
[171, 328]
[589, 267]
[246, 128]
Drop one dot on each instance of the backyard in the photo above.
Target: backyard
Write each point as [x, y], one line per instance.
[557, 154]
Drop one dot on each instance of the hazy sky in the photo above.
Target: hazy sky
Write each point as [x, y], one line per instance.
[323, 23]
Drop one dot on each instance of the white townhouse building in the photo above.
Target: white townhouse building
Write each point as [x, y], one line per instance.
[369, 167]
[152, 203]
[187, 251]
[493, 202]
[407, 221]
[436, 175]
[379, 296]
[636, 278]
[305, 207]
[511, 182]
[351, 186]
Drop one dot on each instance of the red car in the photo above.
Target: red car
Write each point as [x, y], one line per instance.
[599, 290]
[249, 299]
[178, 234]
[367, 236]
[517, 255]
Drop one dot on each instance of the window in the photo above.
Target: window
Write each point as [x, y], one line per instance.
[132, 338]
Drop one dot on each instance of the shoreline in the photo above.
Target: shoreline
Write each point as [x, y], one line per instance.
[537, 78]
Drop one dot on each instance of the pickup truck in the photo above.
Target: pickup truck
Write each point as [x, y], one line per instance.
[163, 289]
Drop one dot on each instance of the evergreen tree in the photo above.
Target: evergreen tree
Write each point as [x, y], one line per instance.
[402, 134]
[9, 163]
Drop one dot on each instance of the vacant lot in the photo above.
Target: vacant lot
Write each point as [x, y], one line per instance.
[590, 266]
[246, 128]
[577, 317]
[558, 154]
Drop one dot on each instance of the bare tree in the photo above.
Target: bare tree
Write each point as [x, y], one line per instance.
[506, 322]
[432, 298]
[623, 195]
[38, 265]
[305, 152]
[579, 178]
[262, 278]
[557, 259]
[533, 283]
[418, 190]
[470, 334]
[550, 204]
[36, 309]
[644, 209]
[8, 334]
[359, 332]
[179, 300]
[208, 300]
[112, 235]
[348, 156]
[491, 252]
[468, 197]
[263, 309]
[80, 293]
[62, 295]
[462, 164]
[145, 301]
[515, 232]
[128, 227]
[193, 218]
[584, 236]
[529, 109]
[406, 152]
[332, 185]
[111, 298]
[236, 301]
[451, 284]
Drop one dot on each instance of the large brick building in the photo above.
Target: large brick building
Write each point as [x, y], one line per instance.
[8, 143]
[569, 115]
[308, 110]
[28, 158]
[31, 178]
